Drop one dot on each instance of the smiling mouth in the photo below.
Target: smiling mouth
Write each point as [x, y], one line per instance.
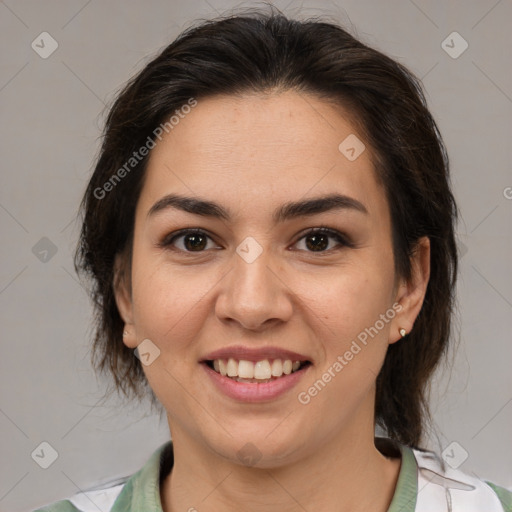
[259, 372]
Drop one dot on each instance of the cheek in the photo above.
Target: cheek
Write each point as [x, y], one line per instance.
[170, 308]
[347, 300]
[169, 303]
[350, 317]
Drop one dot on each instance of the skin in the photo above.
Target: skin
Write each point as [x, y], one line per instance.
[251, 154]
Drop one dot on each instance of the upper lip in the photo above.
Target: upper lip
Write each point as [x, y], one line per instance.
[241, 352]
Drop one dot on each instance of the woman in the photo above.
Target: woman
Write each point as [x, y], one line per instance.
[270, 234]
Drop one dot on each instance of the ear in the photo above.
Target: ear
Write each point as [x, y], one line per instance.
[411, 293]
[123, 296]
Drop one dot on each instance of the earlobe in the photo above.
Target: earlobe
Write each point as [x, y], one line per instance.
[129, 337]
[411, 293]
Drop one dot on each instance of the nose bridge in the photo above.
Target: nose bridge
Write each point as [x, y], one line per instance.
[253, 294]
[251, 270]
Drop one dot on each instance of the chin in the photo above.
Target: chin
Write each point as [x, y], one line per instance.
[258, 448]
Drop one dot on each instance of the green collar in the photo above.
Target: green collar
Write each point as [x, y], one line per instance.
[406, 491]
[142, 490]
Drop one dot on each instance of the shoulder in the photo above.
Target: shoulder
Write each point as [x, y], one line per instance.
[503, 494]
[447, 488]
[130, 493]
[89, 501]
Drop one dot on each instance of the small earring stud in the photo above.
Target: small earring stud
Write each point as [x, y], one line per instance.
[125, 333]
[402, 332]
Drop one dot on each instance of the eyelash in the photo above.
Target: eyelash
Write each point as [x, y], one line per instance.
[342, 240]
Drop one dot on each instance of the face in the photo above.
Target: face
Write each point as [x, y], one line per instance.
[253, 278]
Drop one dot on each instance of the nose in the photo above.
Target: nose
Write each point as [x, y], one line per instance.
[254, 294]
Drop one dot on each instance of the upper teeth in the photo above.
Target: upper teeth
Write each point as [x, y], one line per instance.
[259, 370]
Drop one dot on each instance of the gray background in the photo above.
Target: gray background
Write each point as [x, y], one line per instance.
[52, 111]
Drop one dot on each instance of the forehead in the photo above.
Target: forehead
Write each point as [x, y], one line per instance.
[247, 149]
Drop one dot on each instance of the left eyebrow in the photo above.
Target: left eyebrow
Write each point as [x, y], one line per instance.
[287, 211]
[317, 205]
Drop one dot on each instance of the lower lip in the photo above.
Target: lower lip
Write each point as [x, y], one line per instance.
[255, 392]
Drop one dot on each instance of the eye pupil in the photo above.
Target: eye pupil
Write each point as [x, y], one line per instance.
[320, 241]
[198, 241]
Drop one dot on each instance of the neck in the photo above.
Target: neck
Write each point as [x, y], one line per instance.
[346, 473]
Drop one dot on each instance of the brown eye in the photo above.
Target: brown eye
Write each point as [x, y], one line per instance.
[189, 241]
[317, 240]
[194, 242]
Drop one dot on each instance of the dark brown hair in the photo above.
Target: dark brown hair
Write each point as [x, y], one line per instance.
[263, 52]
